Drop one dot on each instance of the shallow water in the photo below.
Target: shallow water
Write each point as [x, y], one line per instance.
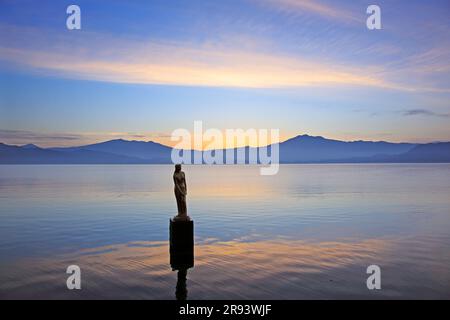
[308, 232]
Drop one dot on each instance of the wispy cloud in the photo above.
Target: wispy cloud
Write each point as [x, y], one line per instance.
[423, 112]
[36, 137]
[22, 137]
[107, 58]
[201, 68]
[66, 139]
[427, 68]
[314, 7]
[103, 57]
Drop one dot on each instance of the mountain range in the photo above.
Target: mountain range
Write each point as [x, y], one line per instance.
[300, 149]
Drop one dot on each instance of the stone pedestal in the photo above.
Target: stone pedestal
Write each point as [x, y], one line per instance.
[181, 244]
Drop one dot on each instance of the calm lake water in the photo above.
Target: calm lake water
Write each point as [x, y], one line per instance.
[309, 232]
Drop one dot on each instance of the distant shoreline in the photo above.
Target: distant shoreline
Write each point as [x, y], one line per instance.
[212, 165]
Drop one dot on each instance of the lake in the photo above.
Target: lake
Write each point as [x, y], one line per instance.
[309, 232]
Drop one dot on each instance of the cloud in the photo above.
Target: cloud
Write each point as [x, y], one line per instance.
[111, 58]
[67, 139]
[192, 67]
[8, 135]
[423, 112]
[101, 57]
[314, 7]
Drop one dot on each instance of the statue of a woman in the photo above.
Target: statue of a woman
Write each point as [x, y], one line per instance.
[180, 193]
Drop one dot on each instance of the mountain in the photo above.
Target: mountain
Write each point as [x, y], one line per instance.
[26, 155]
[149, 152]
[431, 152]
[307, 148]
[300, 149]
[423, 153]
[30, 146]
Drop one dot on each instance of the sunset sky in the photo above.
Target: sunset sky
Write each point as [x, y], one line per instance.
[140, 69]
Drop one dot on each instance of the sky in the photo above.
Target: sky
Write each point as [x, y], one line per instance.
[138, 70]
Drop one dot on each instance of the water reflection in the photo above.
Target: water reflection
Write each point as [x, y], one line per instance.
[308, 232]
[272, 269]
[181, 289]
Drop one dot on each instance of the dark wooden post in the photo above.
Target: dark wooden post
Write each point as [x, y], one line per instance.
[181, 244]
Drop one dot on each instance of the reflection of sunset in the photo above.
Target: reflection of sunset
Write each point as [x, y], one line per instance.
[271, 255]
[229, 184]
[296, 256]
[278, 268]
[144, 266]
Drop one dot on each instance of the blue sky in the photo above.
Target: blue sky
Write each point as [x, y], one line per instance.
[141, 69]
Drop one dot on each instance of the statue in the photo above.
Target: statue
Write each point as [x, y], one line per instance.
[181, 231]
[180, 194]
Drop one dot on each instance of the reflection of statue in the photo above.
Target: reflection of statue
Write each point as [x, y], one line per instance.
[181, 290]
[180, 193]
